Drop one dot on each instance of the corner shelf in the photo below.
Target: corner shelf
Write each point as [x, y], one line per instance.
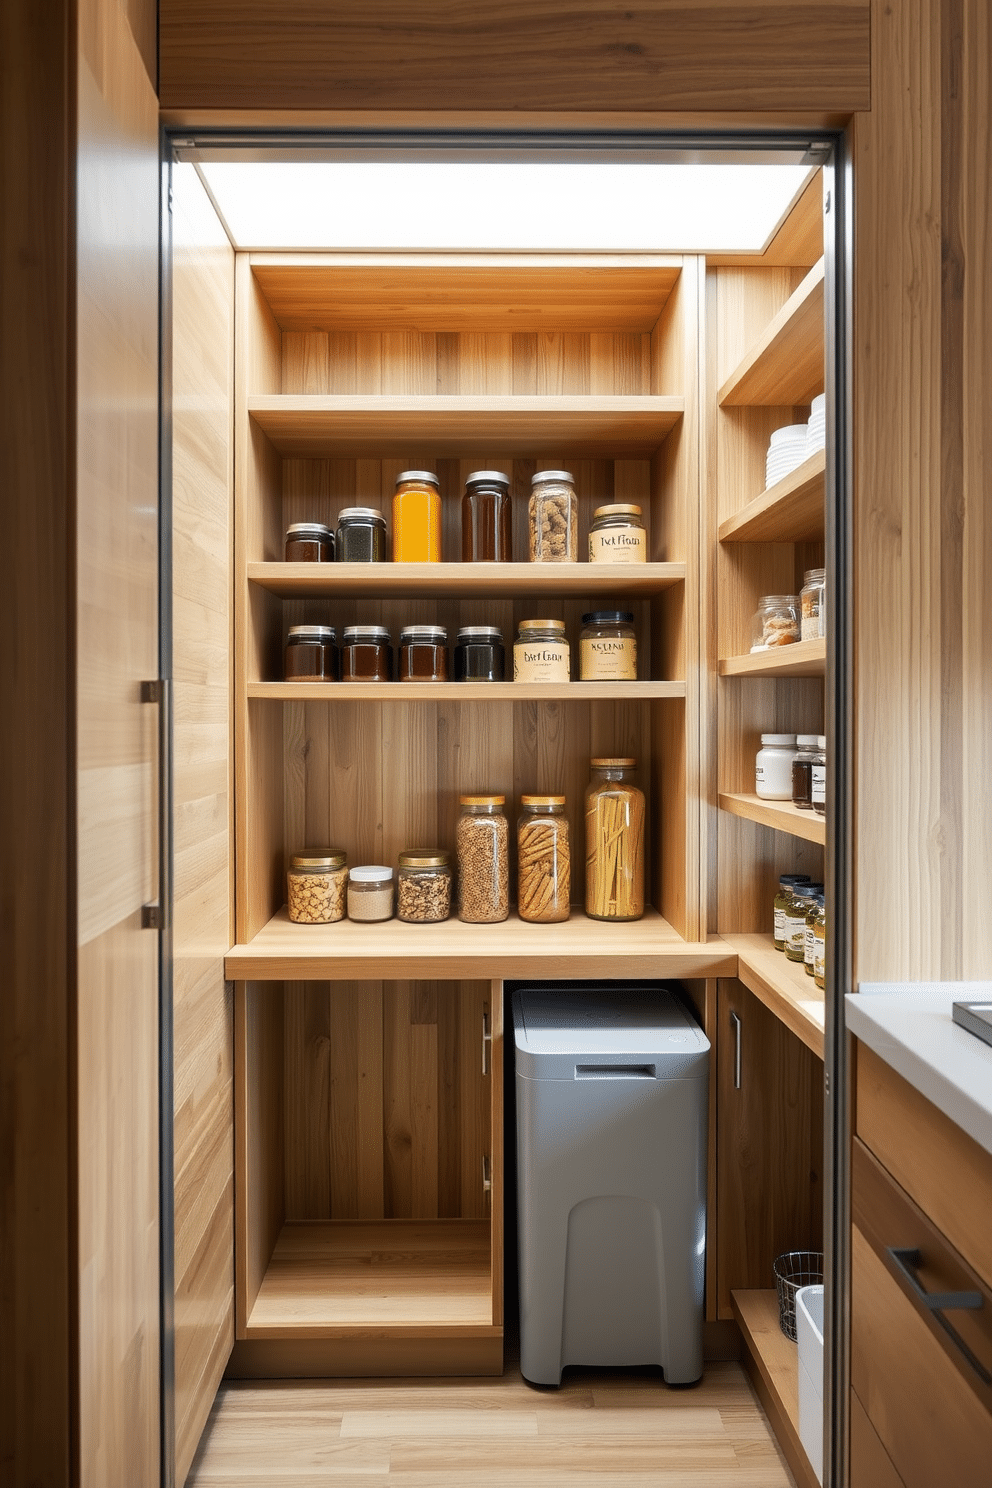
[466, 692]
[774, 1367]
[464, 580]
[792, 510]
[801, 659]
[782, 986]
[785, 366]
[781, 815]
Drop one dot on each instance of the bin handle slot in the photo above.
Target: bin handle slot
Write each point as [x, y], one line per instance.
[614, 1071]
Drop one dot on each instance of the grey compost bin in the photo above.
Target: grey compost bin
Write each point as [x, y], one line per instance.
[611, 1087]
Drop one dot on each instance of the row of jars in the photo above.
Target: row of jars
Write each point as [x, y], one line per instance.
[793, 767]
[617, 533]
[800, 923]
[541, 652]
[781, 619]
[321, 889]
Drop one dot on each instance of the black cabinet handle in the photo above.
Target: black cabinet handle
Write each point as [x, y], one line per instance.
[906, 1261]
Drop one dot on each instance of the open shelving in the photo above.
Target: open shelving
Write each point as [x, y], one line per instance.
[466, 692]
[465, 580]
[791, 510]
[782, 985]
[782, 816]
[801, 659]
[784, 365]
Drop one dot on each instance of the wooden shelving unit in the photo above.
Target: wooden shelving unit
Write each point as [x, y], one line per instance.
[781, 815]
[466, 692]
[465, 581]
[801, 659]
[774, 1367]
[789, 511]
[781, 985]
[785, 365]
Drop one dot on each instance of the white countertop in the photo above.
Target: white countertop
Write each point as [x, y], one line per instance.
[909, 1025]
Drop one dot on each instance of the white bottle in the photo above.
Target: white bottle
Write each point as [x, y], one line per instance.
[773, 767]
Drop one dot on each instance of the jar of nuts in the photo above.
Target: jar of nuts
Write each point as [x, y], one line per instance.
[553, 518]
[423, 886]
[543, 860]
[316, 885]
[776, 621]
[483, 860]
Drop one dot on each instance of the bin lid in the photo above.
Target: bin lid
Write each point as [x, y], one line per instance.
[558, 1030]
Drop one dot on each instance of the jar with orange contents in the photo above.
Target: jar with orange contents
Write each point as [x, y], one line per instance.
[417, 518]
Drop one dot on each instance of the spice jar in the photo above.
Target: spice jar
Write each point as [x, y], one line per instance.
[776, 622]
[315, 885]
[553, 518]
[361, 536]
[486, 534]
[617, 535]
[773, 767]
[803, 898]
[479, 655]
[809, 943]
[370, 893]
[367, 654]
[820, 948]
[423, 886]
[787, 882]
[813, 605]
[608, 647]
[614, 842]
[309, 542]
[481, 840]
[423, 653]
[417, 518]
[818, 772]
[540, 652]
[543, 860]
[802, 772]
[311, 654]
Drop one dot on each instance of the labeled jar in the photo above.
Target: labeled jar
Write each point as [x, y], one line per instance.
[804, 896]
[820, 949]
[540, 652]
[423, 653]
[481, 841]
[417, 518]
[813, 605]
[315, 885]
[423, 886]
[553, 518]
[787, 882]
[370, 893]
[486, 533]
[479, 654]
[309, 542]
[608, 647]
[773, 767]
[311, 654]
[802, 772]
[544, 863]
[615, 820]
[361, 535]
[367, 654]
[809, 943]
[818, 783]
[617, 535]
[776, 622]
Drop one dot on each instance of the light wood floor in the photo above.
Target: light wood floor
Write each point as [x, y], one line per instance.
[598, 1430]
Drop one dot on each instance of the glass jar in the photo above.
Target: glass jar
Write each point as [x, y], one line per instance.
[553, 518]
[614, 842]
[617, 535]
[309, 542]
[802, 772]
[540, 652]
[818, 772]
[417, 518]
[311, 654]
[804, 896]
[608, 647]
[809, 942]
[544, 864]
[479, 654]
[367, 654]
[361, 536]
[423, 886]
[776, 622]
[773, 767]
[370, 893]
[820, 949]
[787, 882]
[423, 653]
[315, 885]
[813, 605]
[486, 536]
[481, 840]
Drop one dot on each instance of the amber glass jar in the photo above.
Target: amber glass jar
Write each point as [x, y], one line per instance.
[544, 864]
[486, 534]
[417, 518]
[423, 653]
[614, 842]
[367, 654]
[309, 542]
[311, 654]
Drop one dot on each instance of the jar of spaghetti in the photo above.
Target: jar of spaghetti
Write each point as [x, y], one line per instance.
[617, 535]
[544, 863]
[311, 654]
[423, 653]
[553, 518]
[615, 823]
[486, 536]
[309, 542]
[367, 654]
[417, 518]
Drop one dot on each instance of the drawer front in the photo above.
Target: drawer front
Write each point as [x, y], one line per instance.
[871, 1466]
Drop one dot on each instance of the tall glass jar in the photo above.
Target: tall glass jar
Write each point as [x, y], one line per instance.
[544, 862]
[553, 518]
[802, 772]
[804, 896]
[482, 845]
[820, 949]
[813, 605]
[315, 885]
[615, 829]
[809, 945]
[417, 518]
[423, 886]
[486, 533]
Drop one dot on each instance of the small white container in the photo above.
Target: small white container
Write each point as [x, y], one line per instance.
[773, 767]
[809, 1341]
[370, 893]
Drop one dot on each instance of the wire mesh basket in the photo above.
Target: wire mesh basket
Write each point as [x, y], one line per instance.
[795, 1269]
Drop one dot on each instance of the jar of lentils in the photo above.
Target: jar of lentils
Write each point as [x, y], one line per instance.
[481, 839]
[315, 885]
[553, 518]
[423, 886]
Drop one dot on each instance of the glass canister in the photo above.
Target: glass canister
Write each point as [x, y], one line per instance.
[482, 844]
[540, 652]
[423, 886]
[544, 863]
[802, 772]
[479, 654]
[423, 653]
[617, 535]
[787, 882]
[818, 773]
[773, 767]
[608, 647]
[614, 841]
[776, 622]
[809, 943]
[820, 949]
[553, 518]
[370, 893]
[804, 896]
[309, 542]
[417, 518]
[311, 654]
[486, 532]
[315, 885]
[813, 605]
[367, 654]
[361, 535]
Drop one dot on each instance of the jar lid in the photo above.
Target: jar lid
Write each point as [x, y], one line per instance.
[418, 475]
[479, 476]
[313, 632]
[480, 633]
[434, 634]
[787, 601]
[616, 509]
[361, 514]
[371, 873]
[608, 617]
[319, 857]
[424, 857]
[793, 878]
[815, 576]
[366, 633]
[542, 625]
[542, 800]
[806, 741]
[308, 529]
[624, 761]
[481, 800]
[821, 741]
[549, 475]
[786, 740]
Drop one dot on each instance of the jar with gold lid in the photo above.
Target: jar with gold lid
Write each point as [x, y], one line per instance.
[544, 864]
[617, 534]
[615, 822]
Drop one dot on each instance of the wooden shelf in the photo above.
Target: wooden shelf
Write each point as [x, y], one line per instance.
[466, 692]
[356, 424]
[801, 659]
[781, 815]
[782, 986]
[465, 580]
[792, 510]
[649, 947]
[785, 366]
[774, 1368]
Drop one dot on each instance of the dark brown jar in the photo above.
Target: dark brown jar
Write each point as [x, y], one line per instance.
[367, 654]
[311, 654]
[479, 654]
[309, 542]
[486, 534]
[423, 653]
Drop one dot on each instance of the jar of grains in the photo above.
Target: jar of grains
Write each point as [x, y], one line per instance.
[780, 904]
[423, 886]
[614, 842]
[540, 652]
[608, 647]
[617, 535]
[423, 653]
[776, 622]
[315, 885]
[813, 605]
[417, 518]
[553, 518]
[544, 862]
[367, 655]
[483, 860]
[361, 536]
[820, 948]
[370, 893]
[309, 542]
[479, 655]
[486, 536]
[311, 654]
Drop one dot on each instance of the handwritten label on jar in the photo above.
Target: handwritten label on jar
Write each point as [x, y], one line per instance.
[540, 661]
[819, 791]
[618, 545]
[608, 659]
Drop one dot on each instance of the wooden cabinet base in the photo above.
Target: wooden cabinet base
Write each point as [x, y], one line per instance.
[376, 1358]
[773, 1364]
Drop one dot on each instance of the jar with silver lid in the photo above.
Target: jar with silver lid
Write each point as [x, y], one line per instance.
[361, 535]
[617, 535]
[311, 654]
[423, 653]
[423, 886]
[479, 654]
[540, 652]
[553, 519]
[367, 654]
[315, 885]
[309, 542]
[486, 518]
[776, 622]
[370, 893]
[813, 605]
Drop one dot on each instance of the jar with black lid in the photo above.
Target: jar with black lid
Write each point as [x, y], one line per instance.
[309, 542]
[423, 653]
[608, 647]
[479, 654]
[361, 536]
[367, 654]
[486, 534]
[311, 654]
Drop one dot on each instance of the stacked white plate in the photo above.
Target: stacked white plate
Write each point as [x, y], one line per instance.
[816, 429]
[786, 451]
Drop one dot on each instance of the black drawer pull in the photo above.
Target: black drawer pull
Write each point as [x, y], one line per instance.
[906, 1260]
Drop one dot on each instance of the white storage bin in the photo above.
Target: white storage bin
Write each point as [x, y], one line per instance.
[809, 1337]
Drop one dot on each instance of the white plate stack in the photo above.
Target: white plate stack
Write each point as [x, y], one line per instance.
[786, 451]
[816, 429]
